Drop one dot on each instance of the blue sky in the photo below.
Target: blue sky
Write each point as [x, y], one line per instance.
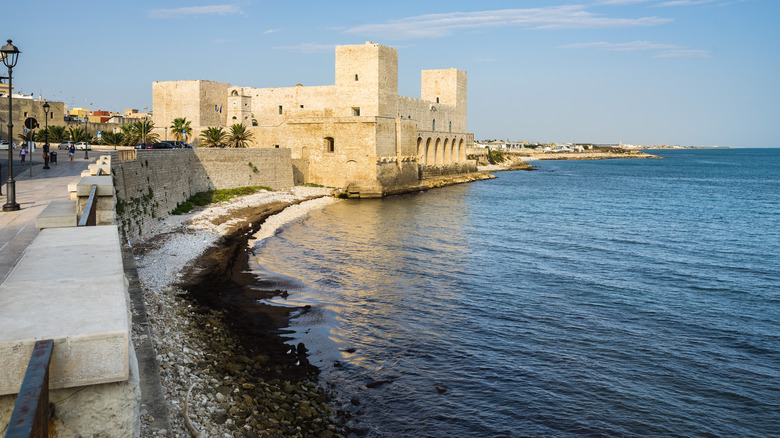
[689, 72]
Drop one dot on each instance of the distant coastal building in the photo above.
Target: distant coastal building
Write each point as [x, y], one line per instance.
[507, 145]
[359, 133]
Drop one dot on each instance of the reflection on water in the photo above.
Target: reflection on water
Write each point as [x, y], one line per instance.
[551, 303]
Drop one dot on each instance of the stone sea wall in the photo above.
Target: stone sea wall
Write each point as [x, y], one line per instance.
[157, 181]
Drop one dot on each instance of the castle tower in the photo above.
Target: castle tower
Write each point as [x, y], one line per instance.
[239, 107]
[367, 80]
[447, 87]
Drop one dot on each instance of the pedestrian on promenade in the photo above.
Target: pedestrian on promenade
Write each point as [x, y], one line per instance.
[22, 154]
[72, 152]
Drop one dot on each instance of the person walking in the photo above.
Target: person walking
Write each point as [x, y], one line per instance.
[22, 155]
[72, 152]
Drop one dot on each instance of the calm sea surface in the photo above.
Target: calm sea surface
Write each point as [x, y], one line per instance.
[588, 298]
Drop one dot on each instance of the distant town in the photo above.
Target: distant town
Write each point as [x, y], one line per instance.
[509, 145]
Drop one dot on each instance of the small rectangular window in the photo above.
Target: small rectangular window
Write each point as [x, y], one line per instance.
[356, 111]
[301, 106]
[280, 109]
[356, 77]
[330, 145]
[276, 146]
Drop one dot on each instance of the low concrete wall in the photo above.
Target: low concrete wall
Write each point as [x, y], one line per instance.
[157, 181]
[69, 286]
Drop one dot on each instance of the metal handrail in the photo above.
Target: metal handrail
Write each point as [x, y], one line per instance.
[31, 412]
[89, 215]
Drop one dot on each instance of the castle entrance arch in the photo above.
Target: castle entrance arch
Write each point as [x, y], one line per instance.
[430, 153]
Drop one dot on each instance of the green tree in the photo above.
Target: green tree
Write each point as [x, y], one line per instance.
[214, 137]
[57, 134]
[239, 136]
[128, 138]
[78, 134]
[144, 130]
[181, 129]
[29, 136]
[40, 136]
[113, 138]
[139, 132]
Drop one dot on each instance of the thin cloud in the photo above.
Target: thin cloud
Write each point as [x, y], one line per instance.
[621, 2]
[307, 48]
[663, 50]
[622, 47]
[685, 2]
[194, 11]
[441, 25]
[684, 53]
[270, 31]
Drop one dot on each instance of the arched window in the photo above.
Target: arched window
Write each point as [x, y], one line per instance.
[356, 77]
[234, 93]
[330, 145]
[437, 100]
[433, 127]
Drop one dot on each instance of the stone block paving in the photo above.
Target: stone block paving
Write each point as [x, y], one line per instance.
[33, 193]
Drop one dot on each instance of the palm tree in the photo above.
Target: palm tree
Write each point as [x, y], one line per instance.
[29, 136]
[128, 138]
[239, 136]
[139, 132]
[57, 134]
[144, 129]
[214, 137]
[181, 129]
[113, 138]
[78, 134]
[40, 136]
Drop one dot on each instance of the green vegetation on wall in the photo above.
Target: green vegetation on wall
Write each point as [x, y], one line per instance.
[212, 196]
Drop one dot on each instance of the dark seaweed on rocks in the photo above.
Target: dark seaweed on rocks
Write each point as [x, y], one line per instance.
[282, 396]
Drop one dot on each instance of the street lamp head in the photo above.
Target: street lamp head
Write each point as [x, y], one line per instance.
[46, 108]
[10, 54]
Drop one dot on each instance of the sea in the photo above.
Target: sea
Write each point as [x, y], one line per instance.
[609, 298]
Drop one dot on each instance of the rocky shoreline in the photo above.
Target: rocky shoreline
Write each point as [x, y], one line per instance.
[232, 383]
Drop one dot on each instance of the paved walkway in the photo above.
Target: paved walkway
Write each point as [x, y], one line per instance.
[33, 193]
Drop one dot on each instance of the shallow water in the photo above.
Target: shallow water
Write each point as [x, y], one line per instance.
[588, 298]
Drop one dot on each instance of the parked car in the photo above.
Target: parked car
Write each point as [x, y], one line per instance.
[66, 145]
[83, 145]
[163, 145]
[179, 144]
[144, 146]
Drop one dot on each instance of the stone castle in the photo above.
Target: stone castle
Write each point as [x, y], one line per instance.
[358, 134]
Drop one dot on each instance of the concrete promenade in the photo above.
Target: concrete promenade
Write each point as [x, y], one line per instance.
[33, 193]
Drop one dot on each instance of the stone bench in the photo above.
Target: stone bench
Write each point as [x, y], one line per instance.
[70, 287]
[58, 214]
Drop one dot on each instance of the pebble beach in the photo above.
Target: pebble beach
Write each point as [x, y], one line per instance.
[226, 389]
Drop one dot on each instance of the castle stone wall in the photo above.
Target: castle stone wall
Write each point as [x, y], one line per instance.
[157, 181]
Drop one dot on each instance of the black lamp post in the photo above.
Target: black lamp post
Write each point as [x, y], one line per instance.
[46, 136]
[86, 144]
[10, 55]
